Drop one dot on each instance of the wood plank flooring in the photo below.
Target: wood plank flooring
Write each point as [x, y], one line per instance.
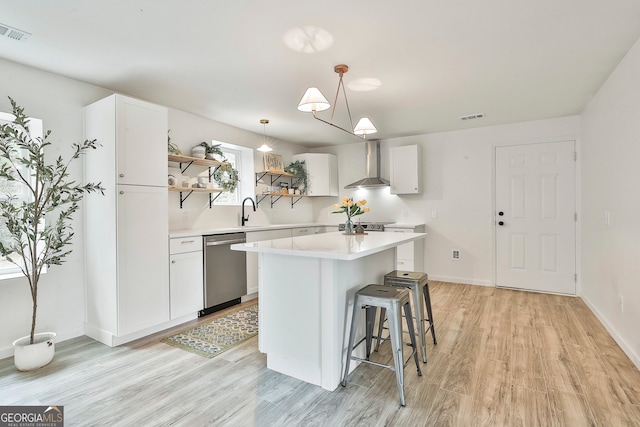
[504, 358]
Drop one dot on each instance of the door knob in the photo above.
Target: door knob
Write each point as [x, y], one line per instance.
[501, 213]
[501, 223]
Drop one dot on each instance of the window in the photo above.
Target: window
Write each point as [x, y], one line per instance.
[241, 159]
[11, 188]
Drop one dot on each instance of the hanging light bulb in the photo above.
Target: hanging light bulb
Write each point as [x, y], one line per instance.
[264, 147]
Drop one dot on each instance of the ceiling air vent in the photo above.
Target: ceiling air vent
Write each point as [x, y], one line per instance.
[472, 116]
[13, 33]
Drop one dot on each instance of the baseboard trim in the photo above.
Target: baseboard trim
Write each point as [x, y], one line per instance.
[60, 337]
[614, 334]
[461, 280]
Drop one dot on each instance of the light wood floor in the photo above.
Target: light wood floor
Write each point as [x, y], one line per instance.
[504, 358]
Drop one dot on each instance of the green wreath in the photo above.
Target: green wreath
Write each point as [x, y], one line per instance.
[226, 177]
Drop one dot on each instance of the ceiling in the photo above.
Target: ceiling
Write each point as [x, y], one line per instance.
[435, 61]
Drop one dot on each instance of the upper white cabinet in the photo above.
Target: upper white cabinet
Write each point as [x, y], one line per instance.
[133, 135]
[322, 173]
[405, 169]
[126, 230]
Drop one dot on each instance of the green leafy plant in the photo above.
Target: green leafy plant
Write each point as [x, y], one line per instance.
[39, 226]
[172, 148]
[213, 149]
[297, 169]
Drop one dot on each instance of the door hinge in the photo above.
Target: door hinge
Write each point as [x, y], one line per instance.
[575, 156]
[575, 277]
[575, 216]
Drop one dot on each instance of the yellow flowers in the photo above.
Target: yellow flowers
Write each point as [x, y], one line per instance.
[351, 208]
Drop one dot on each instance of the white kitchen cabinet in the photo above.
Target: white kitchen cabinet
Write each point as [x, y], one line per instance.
[126, 230]
[186, 280]
[410, 256]
[322, 173]
[252, 257]
[405, 169]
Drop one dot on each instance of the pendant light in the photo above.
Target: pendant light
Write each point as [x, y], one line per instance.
[314, 101]
[264, 147]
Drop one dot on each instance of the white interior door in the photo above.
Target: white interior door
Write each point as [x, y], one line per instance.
[536, 217]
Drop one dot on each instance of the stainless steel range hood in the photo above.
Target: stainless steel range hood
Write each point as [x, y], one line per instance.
[372, 166]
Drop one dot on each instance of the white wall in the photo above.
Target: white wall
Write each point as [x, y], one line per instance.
[457, 185]
[58, 101]
[611, 176]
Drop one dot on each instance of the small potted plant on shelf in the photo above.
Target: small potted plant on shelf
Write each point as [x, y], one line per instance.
[36, 229]
[297, 169]
[212, 150]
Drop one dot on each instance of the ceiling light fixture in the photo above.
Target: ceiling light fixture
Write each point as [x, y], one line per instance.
[264, 147]
[313, 101]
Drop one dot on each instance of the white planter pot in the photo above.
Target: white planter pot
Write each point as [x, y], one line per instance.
[33, 356]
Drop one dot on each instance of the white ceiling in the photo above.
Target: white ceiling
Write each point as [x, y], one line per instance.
[512, 60]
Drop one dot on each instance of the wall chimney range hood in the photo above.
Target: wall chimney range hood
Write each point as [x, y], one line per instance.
[372, 166]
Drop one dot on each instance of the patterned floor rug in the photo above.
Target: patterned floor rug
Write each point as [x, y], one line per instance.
[219, 335]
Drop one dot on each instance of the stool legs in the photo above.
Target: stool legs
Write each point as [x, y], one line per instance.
[419, 308]
[395, 334]
[372, 298]
[420, 302]
[427, 303]
[352, 336]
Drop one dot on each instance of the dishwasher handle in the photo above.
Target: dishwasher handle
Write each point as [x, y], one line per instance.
[226, 242]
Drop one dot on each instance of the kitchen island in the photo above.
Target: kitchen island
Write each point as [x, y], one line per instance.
[306, 290]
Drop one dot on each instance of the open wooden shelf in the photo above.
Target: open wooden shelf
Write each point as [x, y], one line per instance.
[194, 161]
[195, 190]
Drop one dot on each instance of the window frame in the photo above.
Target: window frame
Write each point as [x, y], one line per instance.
[8, 270]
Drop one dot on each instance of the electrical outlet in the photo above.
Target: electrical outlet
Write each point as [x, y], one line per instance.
[404, 214]
[455, 254]
[185, 216]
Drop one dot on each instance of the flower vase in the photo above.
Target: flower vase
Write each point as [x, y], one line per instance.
[348, 227]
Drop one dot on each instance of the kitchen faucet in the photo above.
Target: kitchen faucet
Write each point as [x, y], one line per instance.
[244, 220]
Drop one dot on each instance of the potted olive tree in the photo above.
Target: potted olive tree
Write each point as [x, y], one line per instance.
[36, 227]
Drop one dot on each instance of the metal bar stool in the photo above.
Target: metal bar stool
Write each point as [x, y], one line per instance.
[418, 284]
[391, 300]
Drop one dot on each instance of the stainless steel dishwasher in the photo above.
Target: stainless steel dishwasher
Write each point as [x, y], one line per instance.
[225, 272]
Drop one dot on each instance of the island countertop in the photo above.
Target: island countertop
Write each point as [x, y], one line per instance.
[334, 245]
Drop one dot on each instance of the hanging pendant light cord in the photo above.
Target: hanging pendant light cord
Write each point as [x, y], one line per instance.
[346, 101]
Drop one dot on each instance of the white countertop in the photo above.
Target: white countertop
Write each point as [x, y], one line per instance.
[248, 228]
[331, 245]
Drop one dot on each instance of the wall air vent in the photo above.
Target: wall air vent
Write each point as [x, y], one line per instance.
[472, 116]
[13, 33]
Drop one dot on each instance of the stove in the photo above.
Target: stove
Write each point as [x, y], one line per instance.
[368, 226]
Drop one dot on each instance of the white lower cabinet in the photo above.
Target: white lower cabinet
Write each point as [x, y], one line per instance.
[410, 256]
[186, 277]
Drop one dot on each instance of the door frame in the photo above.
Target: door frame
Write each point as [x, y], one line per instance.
[578, 191]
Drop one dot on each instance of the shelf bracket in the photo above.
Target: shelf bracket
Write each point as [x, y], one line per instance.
[260, 199]
[274, 202]
[214, 171]
[182, 199]
[294, 201]
[186, 167]
[213, 199]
